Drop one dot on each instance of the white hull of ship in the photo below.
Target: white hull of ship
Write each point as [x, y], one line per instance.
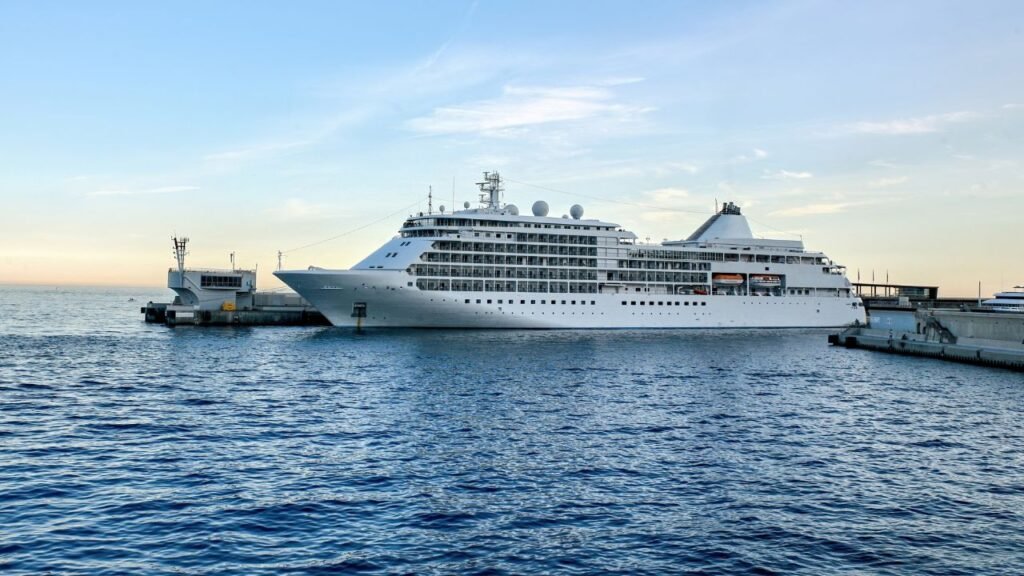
[392, 303]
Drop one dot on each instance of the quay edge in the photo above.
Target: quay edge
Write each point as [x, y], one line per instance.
[984, 338]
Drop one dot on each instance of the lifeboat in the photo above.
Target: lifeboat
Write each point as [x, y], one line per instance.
[766, 280]
[727, 279]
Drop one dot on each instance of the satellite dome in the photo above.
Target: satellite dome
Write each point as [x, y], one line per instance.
[512, 209]
[465, 205]
[540, 208]
[576, 211]
[442, 208]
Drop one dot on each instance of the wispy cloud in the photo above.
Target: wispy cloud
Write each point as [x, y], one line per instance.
[816, 209]
[668, 195]
[882, 164]
[755, 154]
[901, 126]
[297, 209]
[670, 167]
[144, 191]
[887, 182]
[786, 175]
[255, 150]
[623, 80]
[524, 106]
[315, 132]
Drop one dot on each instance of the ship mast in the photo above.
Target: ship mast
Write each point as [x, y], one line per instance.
[180, 251]
[490, 190]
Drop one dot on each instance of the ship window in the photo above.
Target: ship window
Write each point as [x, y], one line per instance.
[477, 300]
[661, 303]
[677, 303]
[623, 302]
[686, 304]
[522, 301]
[467, 300]
[703, 303]
[633, 303]
[533, 301]
[592, 303]
[574, 302]
[543, 301]
[499, 301]
[642, 303]
[563, 302]
[220, 281]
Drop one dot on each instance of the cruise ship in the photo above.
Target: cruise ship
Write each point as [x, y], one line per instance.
[492, 267]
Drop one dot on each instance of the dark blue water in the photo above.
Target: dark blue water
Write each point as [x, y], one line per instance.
[129, 448]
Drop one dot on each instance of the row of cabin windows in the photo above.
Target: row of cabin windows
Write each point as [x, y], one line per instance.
[725, 256]
[663, 303]
[471, 223]
[499, 286]
[677, 277]
[542, 273]
[509, 260]
[559, 250]
[522, 242]
[636, 258]
[663, 265]
[512, 302]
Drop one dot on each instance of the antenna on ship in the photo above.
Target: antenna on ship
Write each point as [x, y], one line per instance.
[279, 259]
[490, 190]
[430, 200]
[180, 251]
[232, 261]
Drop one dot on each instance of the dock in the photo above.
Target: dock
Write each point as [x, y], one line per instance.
[969, 336]
[226, 297]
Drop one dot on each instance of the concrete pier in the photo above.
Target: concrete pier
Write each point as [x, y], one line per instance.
[267, 309]
[215, 297]
[986, 338]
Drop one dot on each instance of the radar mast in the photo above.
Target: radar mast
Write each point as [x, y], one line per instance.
[180, 251]
[490, 191]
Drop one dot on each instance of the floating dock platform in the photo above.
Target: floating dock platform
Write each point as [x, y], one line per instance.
[209, 297]
[269, 309]
[973, 337]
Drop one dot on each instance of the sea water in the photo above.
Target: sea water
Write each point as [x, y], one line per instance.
[135, 448]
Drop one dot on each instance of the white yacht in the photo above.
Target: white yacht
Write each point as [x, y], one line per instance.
[1011, 301]
[492, 267]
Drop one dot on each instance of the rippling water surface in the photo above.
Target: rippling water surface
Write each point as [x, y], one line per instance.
[131, 448]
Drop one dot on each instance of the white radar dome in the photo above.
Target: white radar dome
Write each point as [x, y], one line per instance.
[465, 205]
[442, 208]
[512, 209]
[540, 208]
[576, 211]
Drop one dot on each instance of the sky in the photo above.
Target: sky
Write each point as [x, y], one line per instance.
[889, 135]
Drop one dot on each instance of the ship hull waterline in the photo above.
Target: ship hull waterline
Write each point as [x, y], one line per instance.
[387, 299]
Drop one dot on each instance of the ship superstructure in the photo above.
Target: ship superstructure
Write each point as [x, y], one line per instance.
[492, 267]
[1010, 301]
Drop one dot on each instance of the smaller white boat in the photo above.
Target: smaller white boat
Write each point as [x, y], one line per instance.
[1011, 301]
